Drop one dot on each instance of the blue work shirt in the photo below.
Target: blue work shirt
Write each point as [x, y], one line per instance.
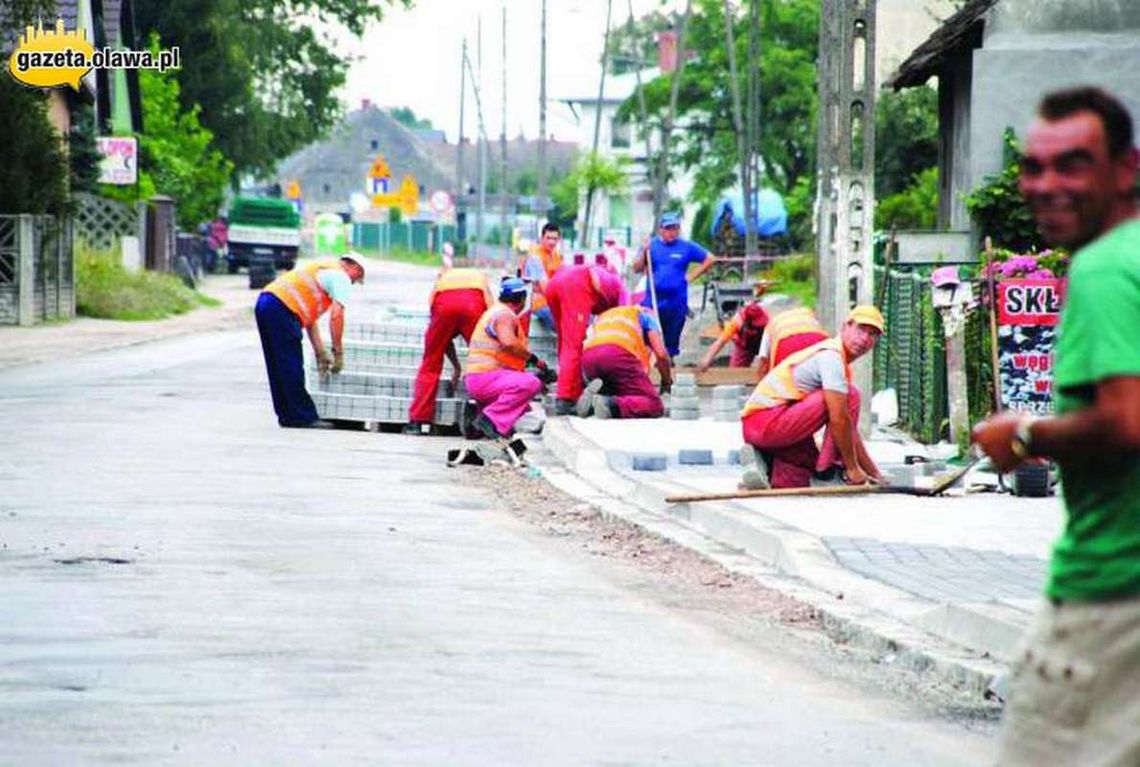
[670, 262]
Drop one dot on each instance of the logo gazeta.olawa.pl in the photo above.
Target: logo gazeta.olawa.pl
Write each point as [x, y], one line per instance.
[51, 58]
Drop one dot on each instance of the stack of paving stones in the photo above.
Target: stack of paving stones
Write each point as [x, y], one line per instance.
[684, 401]
[381, 360]
[728, 401]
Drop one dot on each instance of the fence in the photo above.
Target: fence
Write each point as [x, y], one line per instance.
[102, 222]
[37, 269]
[382, 238]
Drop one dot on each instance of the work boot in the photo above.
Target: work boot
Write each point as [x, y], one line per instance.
[586, 401]
[320, 423]
[565, 407]
[417, 428]
[605, 407]
[484, 426]
[832, 476]
[755, 475]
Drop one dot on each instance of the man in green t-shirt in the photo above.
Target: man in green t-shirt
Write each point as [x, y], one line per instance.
[1073, 697]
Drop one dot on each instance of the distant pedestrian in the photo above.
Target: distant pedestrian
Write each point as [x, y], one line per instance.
[617, 355]
[669, 279]
[576, 293]
[458, 299]
[1073, 696]
[292, 302]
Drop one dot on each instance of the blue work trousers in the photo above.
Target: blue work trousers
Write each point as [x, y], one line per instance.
[673, 311]
[281, 335]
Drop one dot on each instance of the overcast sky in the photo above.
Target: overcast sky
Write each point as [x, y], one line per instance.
[412, 59]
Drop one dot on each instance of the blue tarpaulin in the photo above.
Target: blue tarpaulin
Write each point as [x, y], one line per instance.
[771, 217]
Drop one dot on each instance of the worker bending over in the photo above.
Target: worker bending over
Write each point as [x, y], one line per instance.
[576, 293]
[616, 360]
[458, 299]
[745, 330]
[293, 301]
[810, 389]
[540, 264]
[788, 332]
[668, 280]
[497, 356]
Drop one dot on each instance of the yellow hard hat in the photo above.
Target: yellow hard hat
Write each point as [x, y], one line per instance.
[866, 314]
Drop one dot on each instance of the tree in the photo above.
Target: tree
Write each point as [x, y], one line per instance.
[906, 138]
[606, 175]
[82, 152]
[33, 168]
[630, 49]
[264, 77]
[406, 117]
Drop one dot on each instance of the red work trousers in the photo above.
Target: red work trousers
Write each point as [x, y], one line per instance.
[453, 313]
[786, 434]
[625, 380]
[742, 354]
[571, 298]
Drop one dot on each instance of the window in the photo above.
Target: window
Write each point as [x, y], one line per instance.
[374, 144]
[619, 134]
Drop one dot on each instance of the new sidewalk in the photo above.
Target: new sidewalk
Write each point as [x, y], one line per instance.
[948, 582]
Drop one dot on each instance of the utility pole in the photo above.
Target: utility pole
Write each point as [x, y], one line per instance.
[586, 222]
[846, 154]
[667, 129]
[743, 129]
[643, 111]
[460, 185]
[504, 240]
[478, 83]
[540, 202]
[752, 130]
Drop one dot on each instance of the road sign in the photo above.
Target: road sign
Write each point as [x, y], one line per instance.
[440, 202]
[379, 168]
[293, 191]
[119, 160]
[407, 198]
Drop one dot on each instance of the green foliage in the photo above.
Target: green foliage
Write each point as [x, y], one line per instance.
[913, 208]
[707, 143]
[33, 168]
[266, 77]
[105, 289]
[82, 151]
[628, 49]
[998, 209]
[17, 14]
[906, 138]
[794, 276]
[177, 153]
[606, 174]
[406, 117]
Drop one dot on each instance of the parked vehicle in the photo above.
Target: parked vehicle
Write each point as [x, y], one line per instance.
[262, 228]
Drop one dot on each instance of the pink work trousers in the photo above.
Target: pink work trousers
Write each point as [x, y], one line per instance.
[786, 434]
[571, 298]
[625, 380]
[503, 395]
[453, 313]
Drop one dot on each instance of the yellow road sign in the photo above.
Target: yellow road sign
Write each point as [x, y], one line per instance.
[407, 198]
[379, 168]
[293, 191]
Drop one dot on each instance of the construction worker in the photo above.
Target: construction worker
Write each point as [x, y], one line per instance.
[811, 389]
[293, 301]
[576, 293]
[458, 299]
[668, 290]
[745, 330]
[788, 332]
[616, 361]
[542, 261]
[497, 356]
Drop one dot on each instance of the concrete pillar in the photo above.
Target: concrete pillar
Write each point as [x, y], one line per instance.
[26, 270]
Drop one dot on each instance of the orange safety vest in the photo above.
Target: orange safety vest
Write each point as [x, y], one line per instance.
[621, 327]
[551, 263]
[460, 279]
[779, 386]
[793, 322]
[302, 293]
[485, 353]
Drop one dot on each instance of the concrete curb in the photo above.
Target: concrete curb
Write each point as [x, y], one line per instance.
[902, 628]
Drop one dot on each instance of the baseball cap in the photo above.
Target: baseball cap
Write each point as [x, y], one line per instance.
[512, 289]
[670, 219]
[866, 314]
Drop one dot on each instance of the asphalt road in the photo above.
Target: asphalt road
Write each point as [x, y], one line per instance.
[183, 582]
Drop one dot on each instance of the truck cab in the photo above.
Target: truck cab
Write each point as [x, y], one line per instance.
[263, 228]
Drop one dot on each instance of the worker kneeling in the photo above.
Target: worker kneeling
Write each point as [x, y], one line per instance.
[616, 362]
[497, 357]
[811, 389]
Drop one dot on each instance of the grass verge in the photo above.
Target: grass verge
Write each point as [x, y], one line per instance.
[107, 290]
[795, 276]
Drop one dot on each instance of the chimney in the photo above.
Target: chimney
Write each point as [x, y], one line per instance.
[667, 51]
[365, 104]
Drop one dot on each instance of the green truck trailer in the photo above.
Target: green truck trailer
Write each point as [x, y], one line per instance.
[263, 228]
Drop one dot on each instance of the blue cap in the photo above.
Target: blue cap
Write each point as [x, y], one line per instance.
[512, 289]
[670, 219]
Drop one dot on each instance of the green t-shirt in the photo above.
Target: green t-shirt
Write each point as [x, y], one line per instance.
[1098, 554]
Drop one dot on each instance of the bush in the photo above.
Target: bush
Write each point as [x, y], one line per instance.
[794, 276]
[107, 290]
[916, 207]
[998, 208]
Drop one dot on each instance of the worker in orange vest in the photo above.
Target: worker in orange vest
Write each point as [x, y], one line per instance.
[541, 263]
[616, 359]
[497, 356]
[746, 332]
[575, 294]
[811, 389]
[293, 301]
[788, 332]
[458, 299]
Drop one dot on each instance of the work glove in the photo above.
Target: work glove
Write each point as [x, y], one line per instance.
[324, 363]
[338, 361]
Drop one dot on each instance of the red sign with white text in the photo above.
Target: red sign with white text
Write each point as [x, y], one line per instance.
[1030, 302]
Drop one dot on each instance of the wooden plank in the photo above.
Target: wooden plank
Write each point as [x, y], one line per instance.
[713, 376]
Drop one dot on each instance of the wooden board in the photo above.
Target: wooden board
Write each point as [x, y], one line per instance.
[713, 376]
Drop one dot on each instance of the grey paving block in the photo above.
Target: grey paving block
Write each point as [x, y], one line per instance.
[685, 379]
[683, 391]
[684, 403]
[685, 415]
[694, 457]
[650, 461]
[730, 392]
[734, 457]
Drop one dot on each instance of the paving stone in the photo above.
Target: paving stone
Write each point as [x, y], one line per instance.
[731, 392]
[684, 403]
[695, 457]
[685, 415]
[734, 457]
[685, 379]
[650, 462]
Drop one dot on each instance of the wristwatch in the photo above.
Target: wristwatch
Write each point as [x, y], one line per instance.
[1022, 443]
